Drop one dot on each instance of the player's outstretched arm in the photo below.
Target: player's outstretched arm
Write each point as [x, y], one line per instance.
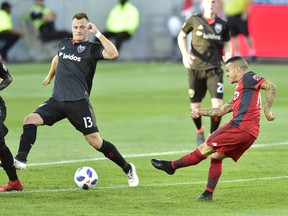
[52, 71]
[270, 89]
[212, 112]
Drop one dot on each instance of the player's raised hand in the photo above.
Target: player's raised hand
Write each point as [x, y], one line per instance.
[92, 28]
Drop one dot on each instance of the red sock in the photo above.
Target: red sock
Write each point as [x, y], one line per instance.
[190, 159]
[214, 174]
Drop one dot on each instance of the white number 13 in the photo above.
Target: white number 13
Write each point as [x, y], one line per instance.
[88, 122]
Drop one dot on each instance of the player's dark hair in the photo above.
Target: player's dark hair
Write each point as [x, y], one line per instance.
[234, 59]
[239, 60]
[80, 16]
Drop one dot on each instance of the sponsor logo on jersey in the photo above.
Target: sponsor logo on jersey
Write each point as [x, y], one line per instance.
[63, 48]
[212, 36]
[70, 57]
[218, 28]
[257, 77]
[236, 95]
[81, 48]
[214, 143]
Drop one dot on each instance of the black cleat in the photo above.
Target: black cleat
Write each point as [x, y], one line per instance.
[205, 197]
[163, 165]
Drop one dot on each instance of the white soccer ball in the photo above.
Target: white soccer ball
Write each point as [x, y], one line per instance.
[85, 177]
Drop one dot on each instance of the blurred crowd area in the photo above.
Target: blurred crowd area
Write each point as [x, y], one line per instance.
[153, 40]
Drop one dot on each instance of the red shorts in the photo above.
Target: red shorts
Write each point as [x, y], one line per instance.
[230, 141]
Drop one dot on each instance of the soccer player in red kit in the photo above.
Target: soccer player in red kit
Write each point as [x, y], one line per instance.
[235, 137]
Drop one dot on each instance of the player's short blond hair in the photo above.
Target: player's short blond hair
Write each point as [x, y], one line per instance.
[80, 16]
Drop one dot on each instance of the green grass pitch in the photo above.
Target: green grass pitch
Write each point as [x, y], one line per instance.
[142, 108]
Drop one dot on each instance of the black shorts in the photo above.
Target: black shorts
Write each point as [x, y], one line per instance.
[201, 80]
[79, 113]
[237, 26]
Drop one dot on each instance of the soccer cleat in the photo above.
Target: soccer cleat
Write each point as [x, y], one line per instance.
[205, 197]
[200, 138]
[133, 180]
[12, 185]
[19, 165]
[163, 165]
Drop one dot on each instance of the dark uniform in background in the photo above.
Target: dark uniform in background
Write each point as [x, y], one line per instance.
[205, 73]
[6, 157]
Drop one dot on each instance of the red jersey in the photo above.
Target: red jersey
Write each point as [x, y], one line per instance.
[247, 103]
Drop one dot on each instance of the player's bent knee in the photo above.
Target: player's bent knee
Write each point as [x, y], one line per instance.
[33, 118]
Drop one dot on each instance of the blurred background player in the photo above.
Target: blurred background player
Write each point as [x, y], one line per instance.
[236, 12]
[210, 36]
[43, 19]
[122, 22]
[8, 34]
[6, 158]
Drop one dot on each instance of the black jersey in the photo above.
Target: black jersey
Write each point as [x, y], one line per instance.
[207, 41]
[75, 70]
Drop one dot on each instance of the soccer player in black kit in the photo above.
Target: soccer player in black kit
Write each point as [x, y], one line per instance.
[6, 156]
[74, 68]
[210, 36]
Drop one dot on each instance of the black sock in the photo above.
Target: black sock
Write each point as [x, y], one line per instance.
[198, 122]
[7, 162]
[27, 140]
[215, 122]
[111, 152]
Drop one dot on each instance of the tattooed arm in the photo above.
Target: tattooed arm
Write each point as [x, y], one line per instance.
[270, 89]
[226, 108]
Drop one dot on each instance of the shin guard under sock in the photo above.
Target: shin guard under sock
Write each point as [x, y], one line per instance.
[111, 152]
[190, 159]
[27, 140]
[198, 122]
[214, 174]
[215, 122]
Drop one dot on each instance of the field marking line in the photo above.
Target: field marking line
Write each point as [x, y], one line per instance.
[153, 185]
[143, 155]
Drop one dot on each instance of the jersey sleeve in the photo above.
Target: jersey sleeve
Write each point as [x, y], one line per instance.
[96, 50]
[252, 80]
[188, 25]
